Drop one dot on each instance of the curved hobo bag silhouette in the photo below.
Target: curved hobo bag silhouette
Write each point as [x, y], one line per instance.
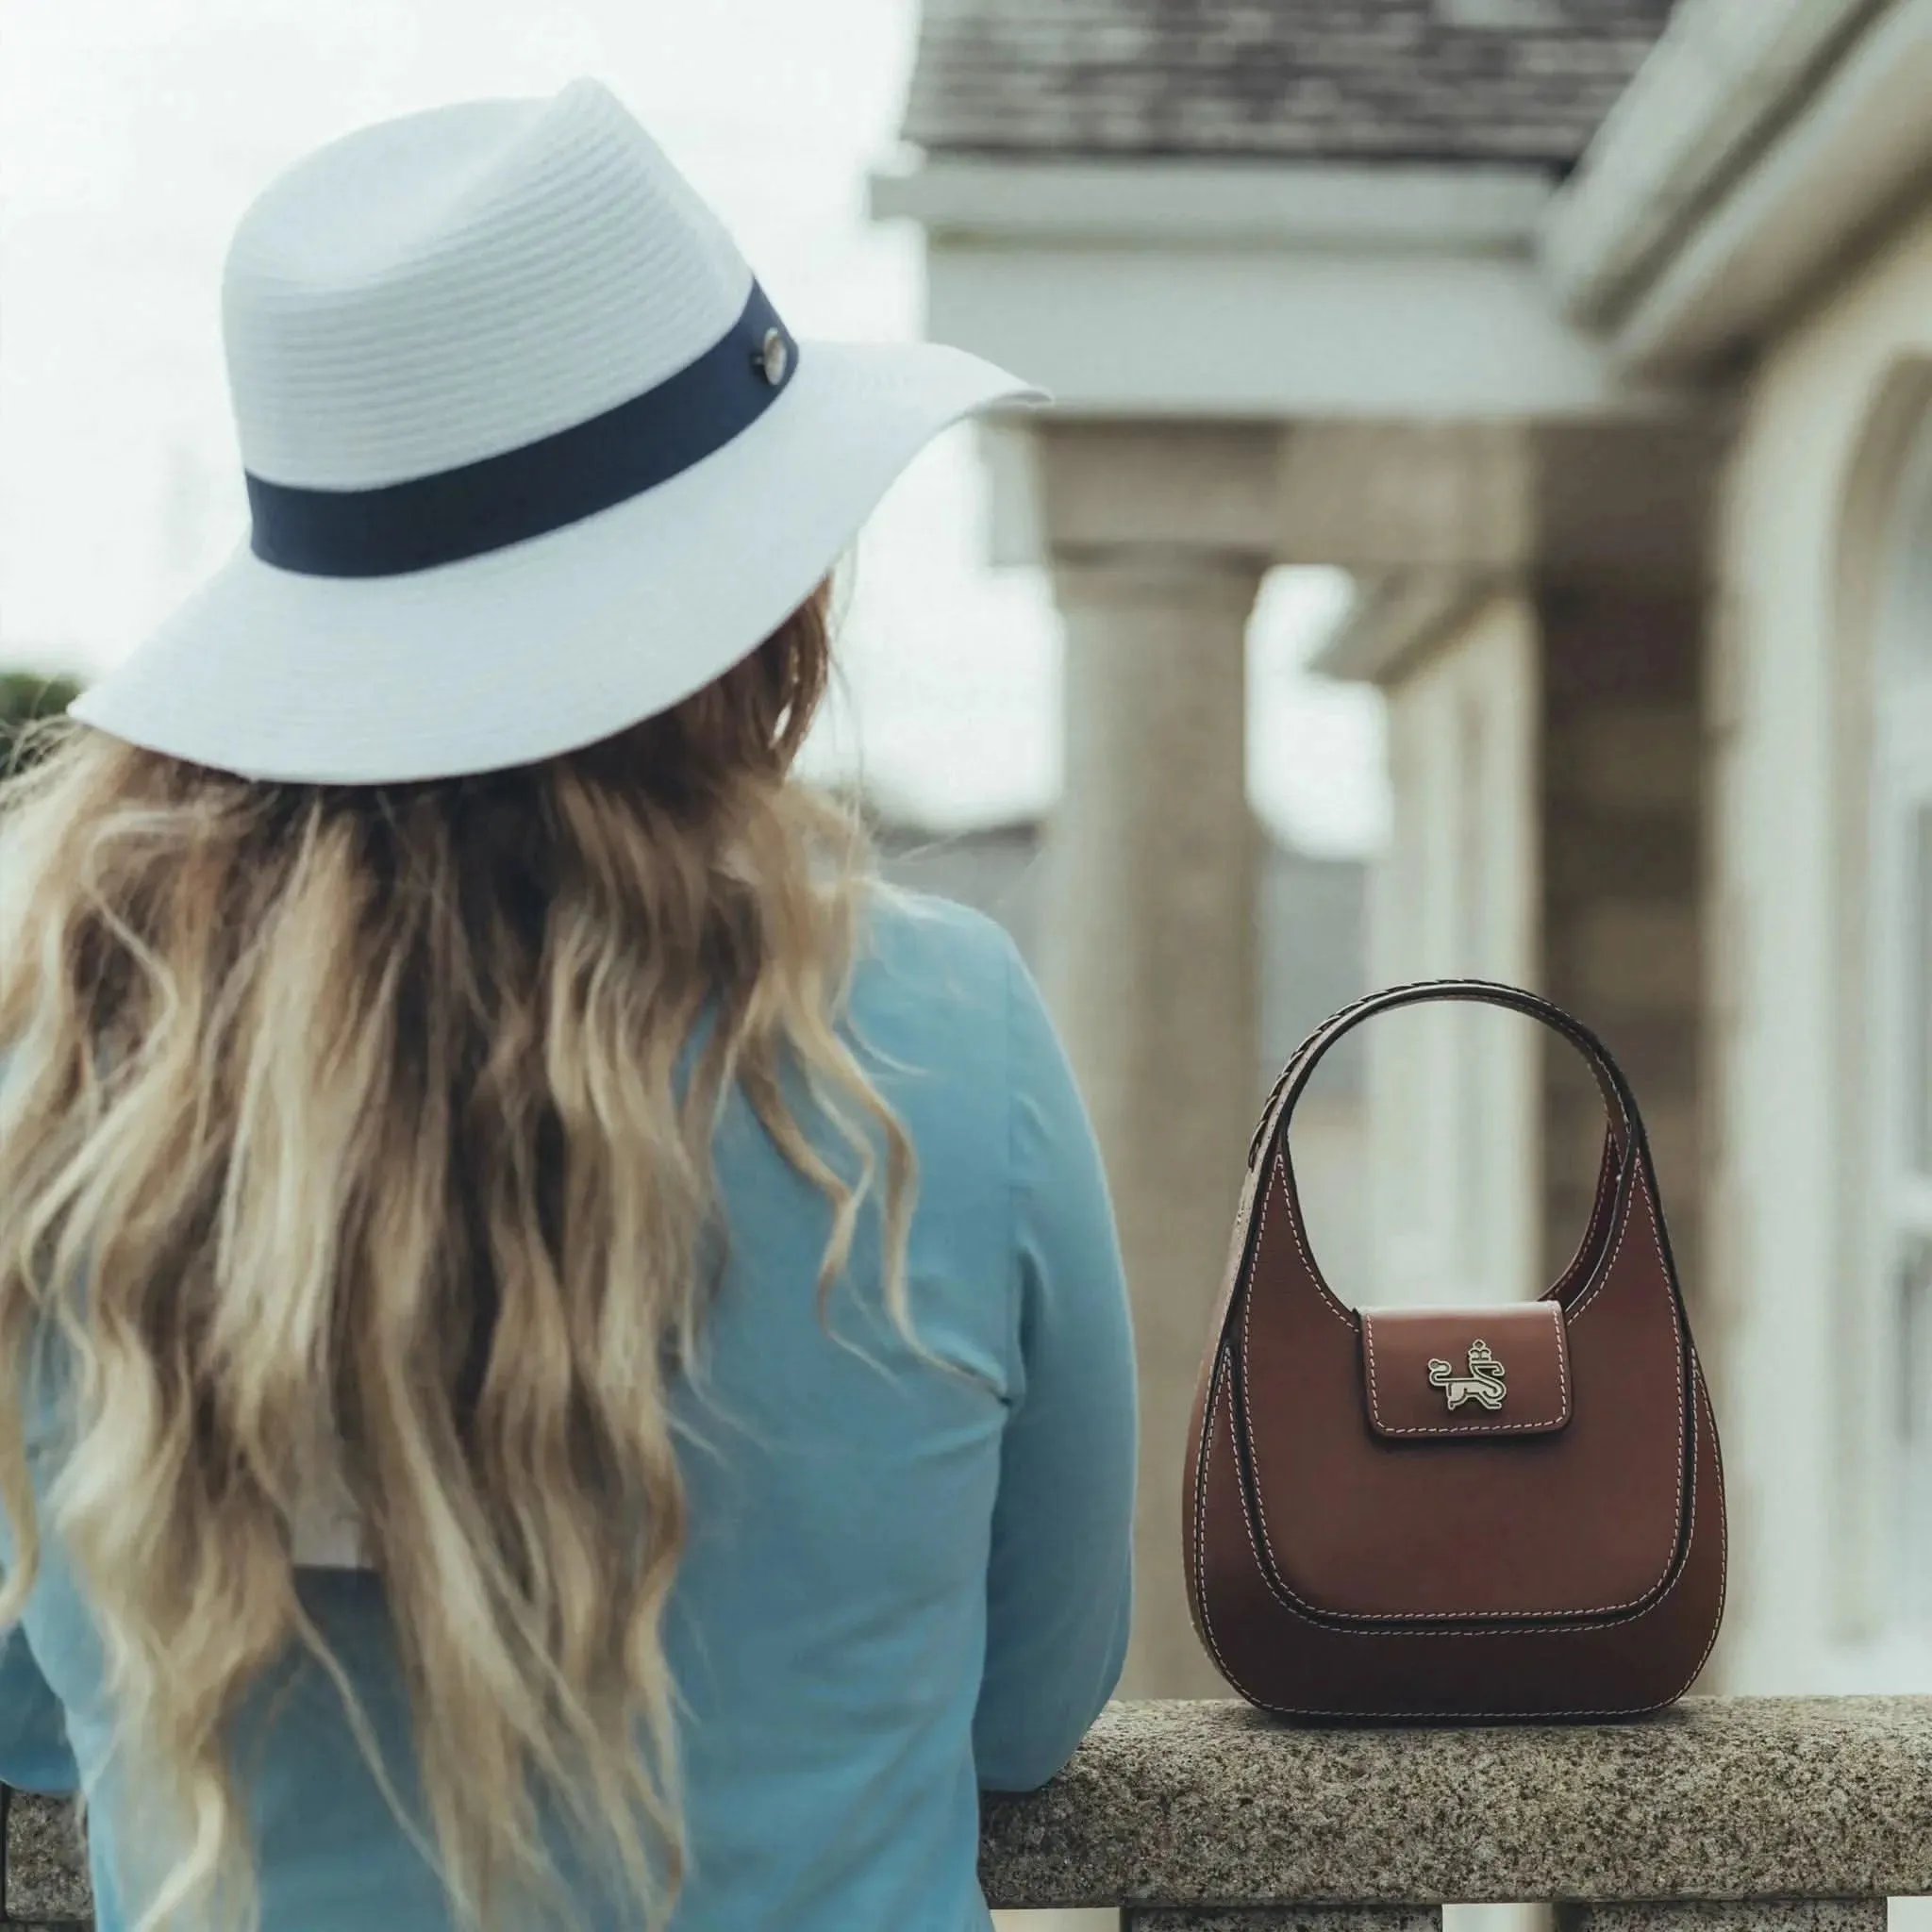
[1494, 1513]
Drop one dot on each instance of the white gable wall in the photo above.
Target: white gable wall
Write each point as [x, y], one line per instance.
[1811, 1388]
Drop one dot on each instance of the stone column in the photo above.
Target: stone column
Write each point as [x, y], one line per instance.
[1147, 949]
[1623, 892]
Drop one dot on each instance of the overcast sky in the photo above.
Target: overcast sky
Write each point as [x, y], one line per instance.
[133, 132]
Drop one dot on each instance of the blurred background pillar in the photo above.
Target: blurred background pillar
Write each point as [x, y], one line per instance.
[1148, 953]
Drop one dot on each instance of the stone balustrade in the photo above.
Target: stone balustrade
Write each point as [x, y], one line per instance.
[1723, 1815]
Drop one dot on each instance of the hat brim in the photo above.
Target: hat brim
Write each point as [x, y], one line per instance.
[548, 644]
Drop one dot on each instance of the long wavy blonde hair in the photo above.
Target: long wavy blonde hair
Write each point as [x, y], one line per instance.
[382, 1118]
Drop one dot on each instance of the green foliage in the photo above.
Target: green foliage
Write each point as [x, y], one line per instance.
[25, 698]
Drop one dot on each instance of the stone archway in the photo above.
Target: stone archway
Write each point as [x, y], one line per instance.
[1900, 874]
[1882, 1474]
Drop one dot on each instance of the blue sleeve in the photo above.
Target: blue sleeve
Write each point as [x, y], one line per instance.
[1060, 1583]
[35, 1754]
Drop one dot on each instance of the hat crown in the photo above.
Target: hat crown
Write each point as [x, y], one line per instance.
[444, 287]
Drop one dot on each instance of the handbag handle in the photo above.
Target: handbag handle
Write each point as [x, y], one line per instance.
[1620, 1103]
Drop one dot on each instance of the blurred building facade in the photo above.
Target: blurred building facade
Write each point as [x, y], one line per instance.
[1594, 337]
[1310, 949]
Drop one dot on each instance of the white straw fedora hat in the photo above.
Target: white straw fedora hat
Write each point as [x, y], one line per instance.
[530, 456]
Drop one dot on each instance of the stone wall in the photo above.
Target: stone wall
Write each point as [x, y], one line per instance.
[1623, 915]
[42, 1872]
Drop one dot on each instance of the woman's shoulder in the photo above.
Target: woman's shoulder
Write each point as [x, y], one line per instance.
[950, 954]
[934, 984]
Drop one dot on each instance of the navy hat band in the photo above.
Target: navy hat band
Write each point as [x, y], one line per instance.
[540, 486]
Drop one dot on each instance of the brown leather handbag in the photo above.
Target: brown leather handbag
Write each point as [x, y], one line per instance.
[1508, 1512]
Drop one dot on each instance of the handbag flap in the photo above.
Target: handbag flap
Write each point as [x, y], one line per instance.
[1476, 1371]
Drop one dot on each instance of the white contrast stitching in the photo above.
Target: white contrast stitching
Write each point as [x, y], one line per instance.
[1226, 1670]
[1221, 1378]
[1574, 1270]
[1254, 1485]
[1680, 1322]
[1724, 1536]
[1466, 1431]
[1278, 1173]
[1440, 1716]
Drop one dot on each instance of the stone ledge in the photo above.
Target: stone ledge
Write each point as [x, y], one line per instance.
[1213, 1804]
[45, 1872]
[1181, 1804]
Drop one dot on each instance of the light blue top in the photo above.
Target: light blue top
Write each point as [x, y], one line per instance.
[902, 1585]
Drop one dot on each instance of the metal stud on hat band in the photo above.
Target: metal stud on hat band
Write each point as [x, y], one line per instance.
[509, 400]
[542, 486]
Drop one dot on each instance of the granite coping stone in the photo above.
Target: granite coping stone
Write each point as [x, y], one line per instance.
[45, 1870]
[1732, 1798]
[1215, 1805]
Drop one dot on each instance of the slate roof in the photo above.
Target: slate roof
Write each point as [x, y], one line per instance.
[1519, 81]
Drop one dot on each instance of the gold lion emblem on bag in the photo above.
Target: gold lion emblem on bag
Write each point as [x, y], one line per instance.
[1483, 1384]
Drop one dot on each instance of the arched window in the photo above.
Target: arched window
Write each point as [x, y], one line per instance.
[1901, 930]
